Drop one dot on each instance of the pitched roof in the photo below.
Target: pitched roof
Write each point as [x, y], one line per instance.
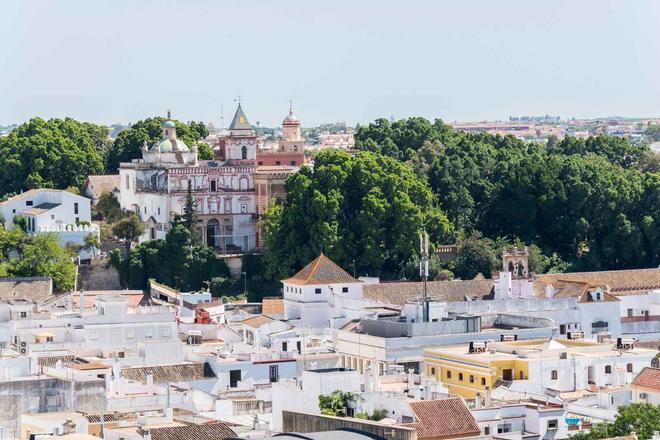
[258, 321]
[322, 270]
[169, 373]
[36, 289]
[51, 361]
[402, 292]
[446, 418]
[272, 306]
[648, 378]
[40, 208]
[103, 183]
[240, 121]
[620, 282]
[30, 193]
[581, 291]
[208, 431]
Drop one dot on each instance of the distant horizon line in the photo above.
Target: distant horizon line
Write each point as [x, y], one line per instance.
[455, 121]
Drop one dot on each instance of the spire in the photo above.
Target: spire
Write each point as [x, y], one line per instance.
[169, 115]
[240, 121]
[290, 107]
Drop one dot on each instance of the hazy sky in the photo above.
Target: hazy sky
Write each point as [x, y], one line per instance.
[123, 60]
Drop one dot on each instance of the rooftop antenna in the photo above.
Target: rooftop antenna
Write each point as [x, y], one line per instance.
[424, 271]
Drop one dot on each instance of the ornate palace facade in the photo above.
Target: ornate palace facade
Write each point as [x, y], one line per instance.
[155, 187]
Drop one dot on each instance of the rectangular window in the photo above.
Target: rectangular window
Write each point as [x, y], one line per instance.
[344, 289]
[77, 220]
[159, 210]
[75, 208]
[29, 203]
[293, 163]
[23, 314]
[273, 373]
[505, 427]
[553, 424]
[128, 182]
[487, 430]
[285, 346]
[317, 290]
[213, 186]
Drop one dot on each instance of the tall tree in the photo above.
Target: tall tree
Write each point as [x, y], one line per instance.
[128, 229]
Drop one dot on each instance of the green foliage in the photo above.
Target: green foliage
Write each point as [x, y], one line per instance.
[25, 255]
[21, 222]
[590, 204]
[175, 262]
[204, 151]
[108, 207]
[128, 229]
[476, 255]
[50, 154]
[335, 403]
[366, 209]
[190, 216]
[129, 142]
[653, 132]
[641, 418]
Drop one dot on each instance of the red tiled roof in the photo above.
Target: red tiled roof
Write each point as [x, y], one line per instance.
[648, 378]
[321, 271]
[446, 418]
[258, 321]
[620, 282]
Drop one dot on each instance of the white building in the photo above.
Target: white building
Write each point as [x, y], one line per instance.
[303, 395]
[646, 386]
[155, 187]
[51, 210]
[311, 294]
[112, 327]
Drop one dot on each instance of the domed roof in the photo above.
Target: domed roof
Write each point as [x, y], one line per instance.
[169, 124]
[290, 120]
[170, 145]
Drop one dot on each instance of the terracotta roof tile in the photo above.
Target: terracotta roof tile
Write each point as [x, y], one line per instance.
[36, 289]
[272, 306]
[402, 292]
[446, 418]
[321, 270]
[620, 282]
[209, 431]
[648, 378]
[103, 183]
[169, 373]
[258, 321]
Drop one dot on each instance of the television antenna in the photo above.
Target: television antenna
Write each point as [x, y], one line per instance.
[424, 271]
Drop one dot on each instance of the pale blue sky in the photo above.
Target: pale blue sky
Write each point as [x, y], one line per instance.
[123, 60]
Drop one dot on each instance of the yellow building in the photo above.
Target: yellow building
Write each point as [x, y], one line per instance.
[561, 364]
[465, 374]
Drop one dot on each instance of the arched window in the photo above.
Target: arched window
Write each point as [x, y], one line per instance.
[460, 376]
[471, 378]
[511, 268]
[629, 368]
[432, 371]
[448, 374]
[608, 369]
[483, 381]
[553, 375]
[244, 152]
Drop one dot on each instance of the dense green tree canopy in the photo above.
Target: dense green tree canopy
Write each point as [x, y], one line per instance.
[129, 142]
[365, 210]
[594, 202]
[25, 255]
[54, 154]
